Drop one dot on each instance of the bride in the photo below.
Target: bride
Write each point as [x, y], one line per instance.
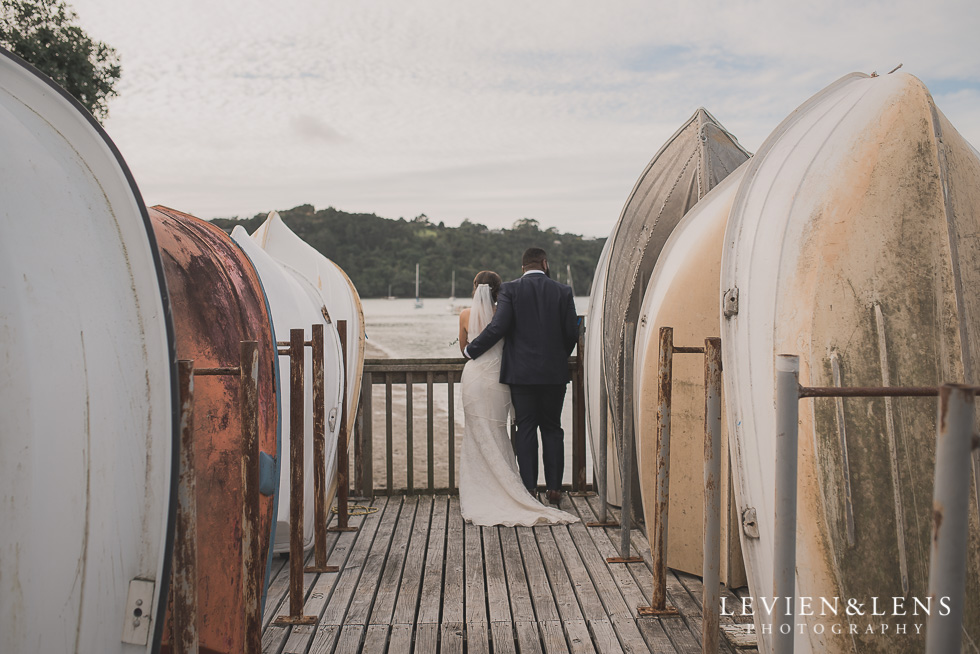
[490, 488]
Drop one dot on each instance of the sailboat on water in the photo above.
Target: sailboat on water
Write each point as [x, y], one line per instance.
[452, 295]
[389, 296]
[418, 298]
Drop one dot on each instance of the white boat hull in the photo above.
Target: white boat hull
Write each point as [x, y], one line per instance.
[87, 385]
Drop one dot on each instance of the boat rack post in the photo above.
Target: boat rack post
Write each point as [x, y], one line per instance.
[297, 416]
[343, 472]
[578, 416]
[316, 344]
[784, 557]
[950, 521]
[711, 571]
[955, 441]
[253, 572]
[658, 542]
[600, 471]
[183, 589]
[626, 464]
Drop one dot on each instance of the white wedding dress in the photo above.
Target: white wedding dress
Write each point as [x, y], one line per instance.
[490, 488]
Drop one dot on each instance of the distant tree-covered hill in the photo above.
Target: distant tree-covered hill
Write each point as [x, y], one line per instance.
[377, 252]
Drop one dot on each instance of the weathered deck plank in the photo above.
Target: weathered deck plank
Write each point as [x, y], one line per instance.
[476, 580]
[498, 600]
[435, 558]
[542, 591]
[411, 581]
[416, 578]
[394, 563]
[452, 599]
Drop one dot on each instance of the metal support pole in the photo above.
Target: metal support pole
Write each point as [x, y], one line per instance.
[601, 470]
[343, 472]
[319, 451]
[253, 568]
[297, 429]
[319, 455]
[184, 613]
[626, 465]
[658, 544]
[784, 558]
[711, 575]
[950, 520]
[658, 530]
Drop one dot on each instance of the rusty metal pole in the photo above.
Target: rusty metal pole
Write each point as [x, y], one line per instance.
[184, 592]
[601, 469]
[252, 568]
[343, 465]
[784, 557]
[319, 455]
[711, 596]
[297, 431]
[626, 464]
[950, 521]
[319, 450]
[658, 544]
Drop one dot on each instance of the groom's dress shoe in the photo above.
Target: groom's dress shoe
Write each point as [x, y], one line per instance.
[554, 497]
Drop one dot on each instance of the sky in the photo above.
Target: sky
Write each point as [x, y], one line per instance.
[492, 112]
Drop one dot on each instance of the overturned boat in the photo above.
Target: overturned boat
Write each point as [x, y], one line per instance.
[295, 304]
[218, 302]
[853, 244]
[337, 295]
[692, 162]
[683, 294]
[88, 387]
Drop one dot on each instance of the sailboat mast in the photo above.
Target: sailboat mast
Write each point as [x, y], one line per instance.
[416, 282]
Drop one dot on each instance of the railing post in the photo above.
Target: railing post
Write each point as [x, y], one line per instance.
[626, 465]
[950, 520]
[184, 616]
[317, 347]
[252, 568]
[578, 414]
[711, 596]
[784, 557]
[343, 472]
[366, 412]
[297, 430]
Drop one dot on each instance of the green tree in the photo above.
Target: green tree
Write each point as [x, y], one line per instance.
[45, 33]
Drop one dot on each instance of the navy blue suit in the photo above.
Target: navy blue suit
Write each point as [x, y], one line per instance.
[536, 318]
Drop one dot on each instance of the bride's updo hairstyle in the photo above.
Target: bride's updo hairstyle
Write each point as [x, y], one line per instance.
[491, 279]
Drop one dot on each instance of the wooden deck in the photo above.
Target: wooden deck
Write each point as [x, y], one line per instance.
[416, 578]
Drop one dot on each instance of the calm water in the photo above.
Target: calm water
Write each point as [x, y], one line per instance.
[399, 330]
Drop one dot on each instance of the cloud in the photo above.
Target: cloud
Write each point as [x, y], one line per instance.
[311, 128]
[492, 111]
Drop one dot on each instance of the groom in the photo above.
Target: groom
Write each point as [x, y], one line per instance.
[536, 317]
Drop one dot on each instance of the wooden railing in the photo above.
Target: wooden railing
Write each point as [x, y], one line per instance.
[440, 378]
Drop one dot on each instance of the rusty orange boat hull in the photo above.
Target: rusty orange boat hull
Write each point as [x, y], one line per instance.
[218, 302]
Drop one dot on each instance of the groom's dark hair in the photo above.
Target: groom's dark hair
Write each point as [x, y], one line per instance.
[533, 257]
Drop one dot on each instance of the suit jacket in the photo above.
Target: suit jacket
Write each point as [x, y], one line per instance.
[536, 317]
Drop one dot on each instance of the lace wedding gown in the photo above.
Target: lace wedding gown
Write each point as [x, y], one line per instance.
[490, 488]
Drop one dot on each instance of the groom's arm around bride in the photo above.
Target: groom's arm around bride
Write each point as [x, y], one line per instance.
[536, 318]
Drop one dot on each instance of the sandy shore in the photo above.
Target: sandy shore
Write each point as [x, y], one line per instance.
[440, 436]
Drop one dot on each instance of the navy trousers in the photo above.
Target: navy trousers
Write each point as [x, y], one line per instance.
[538, 407]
